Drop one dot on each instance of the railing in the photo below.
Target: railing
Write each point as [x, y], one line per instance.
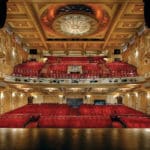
[98, 81]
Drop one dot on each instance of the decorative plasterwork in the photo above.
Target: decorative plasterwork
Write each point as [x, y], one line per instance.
[75, 25]
[72, 21]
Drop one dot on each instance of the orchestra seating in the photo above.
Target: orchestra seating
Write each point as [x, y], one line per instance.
[74, 67]
[75, 121]
[135, 121]
[117, 124]
[65, 116]
[14, 120]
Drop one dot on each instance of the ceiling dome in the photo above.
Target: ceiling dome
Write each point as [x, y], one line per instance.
[74, 20]
[75, 24]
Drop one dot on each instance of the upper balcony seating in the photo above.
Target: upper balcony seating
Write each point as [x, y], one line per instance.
[121, 69]
[92, 67]
[53, 59]
[31, 69]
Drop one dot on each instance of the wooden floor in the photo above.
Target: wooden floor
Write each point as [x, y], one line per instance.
[74, 139]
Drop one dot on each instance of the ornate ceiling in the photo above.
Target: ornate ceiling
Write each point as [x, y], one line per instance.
[75, 26]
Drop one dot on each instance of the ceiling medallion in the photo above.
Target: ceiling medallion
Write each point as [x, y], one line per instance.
[74, 20]
[75, 24]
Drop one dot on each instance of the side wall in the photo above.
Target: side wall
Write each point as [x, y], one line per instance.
[138, 54]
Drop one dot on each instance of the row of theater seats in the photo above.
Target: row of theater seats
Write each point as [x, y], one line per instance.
[108, 110]
[85, 116]
[44, 109]
[135, 121]
[14, 121]
[75, 121]
[53, 59]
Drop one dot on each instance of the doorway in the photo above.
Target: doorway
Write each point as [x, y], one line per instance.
[74, 102]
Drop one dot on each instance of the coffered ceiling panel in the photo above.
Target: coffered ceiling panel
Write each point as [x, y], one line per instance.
[134, 9]
[122, 36]
[129, 24]
[16, 8]
[19, 24]
[32, 35]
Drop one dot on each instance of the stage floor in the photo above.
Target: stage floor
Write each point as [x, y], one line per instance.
[74, 139]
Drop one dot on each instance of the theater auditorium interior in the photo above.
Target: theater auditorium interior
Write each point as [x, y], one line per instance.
[74, 74]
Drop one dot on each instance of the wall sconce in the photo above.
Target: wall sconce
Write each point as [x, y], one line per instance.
[35, 96]
[128, 95]
[136, 94]
[2, 95]
[13, 94]
[60, 96]
[21, 95]
[148, 95]
[88, 96]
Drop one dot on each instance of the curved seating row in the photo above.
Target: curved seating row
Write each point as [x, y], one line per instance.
[75, 121]
[136, 121]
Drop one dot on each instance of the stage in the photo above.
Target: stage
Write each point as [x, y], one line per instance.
[74, 139]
